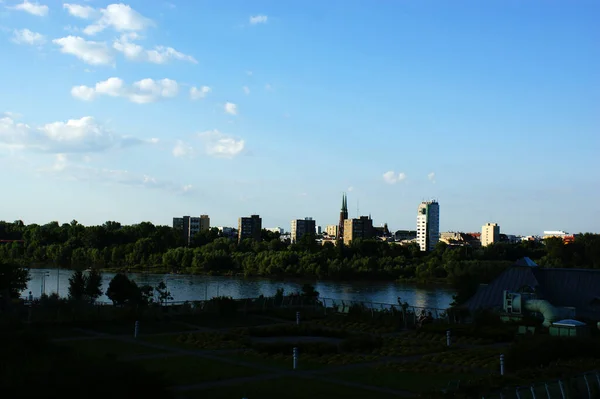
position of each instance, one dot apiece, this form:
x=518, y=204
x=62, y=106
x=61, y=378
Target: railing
x=583, y=386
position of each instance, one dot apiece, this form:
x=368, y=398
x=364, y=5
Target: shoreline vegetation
x=147, y=248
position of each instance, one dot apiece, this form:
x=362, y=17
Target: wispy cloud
x=431, y=177
x=62, y=168
x=141, y=92
x=32, y=8
x=390, y=177
x=25, y=36
x=231, y=108
x=198, y=93
x=258, y=19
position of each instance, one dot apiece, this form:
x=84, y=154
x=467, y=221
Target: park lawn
x=181, y=370
x=108, y=347
x=285, y=363
x=170, y=341
x=236, y=321
x=286, y=387
x=63, y=332
x=145, y=327
x=408, y=381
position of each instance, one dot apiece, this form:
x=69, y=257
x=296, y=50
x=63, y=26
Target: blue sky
x=147, y=110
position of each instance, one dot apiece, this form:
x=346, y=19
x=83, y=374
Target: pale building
x=300, y=227
x=332, y=230
x=358, y=228
x=490, y=234
x=190, y=226
x=428, y=225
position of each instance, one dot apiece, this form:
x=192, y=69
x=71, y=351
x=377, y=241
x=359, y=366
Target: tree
x=93, y=285
x=163, y=294
x=77, y=284
x=13, y=280
x=121, y=290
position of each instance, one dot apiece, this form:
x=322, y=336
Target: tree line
x=147, y=247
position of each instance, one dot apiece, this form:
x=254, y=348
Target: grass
x=181, y=370
x=280, y=362
x=288, y=388
x=409, y=381
x=215, y=321
x=102, y=347
x=146, y=327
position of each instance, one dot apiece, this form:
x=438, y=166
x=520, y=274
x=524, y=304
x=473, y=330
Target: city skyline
x=145, y=110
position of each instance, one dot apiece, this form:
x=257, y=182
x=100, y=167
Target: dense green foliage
x=161, y=249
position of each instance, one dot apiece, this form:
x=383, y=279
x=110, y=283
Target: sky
x=147, y=110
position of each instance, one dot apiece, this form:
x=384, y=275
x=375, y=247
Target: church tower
x=343, y=216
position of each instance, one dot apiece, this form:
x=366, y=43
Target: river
x=194, y=287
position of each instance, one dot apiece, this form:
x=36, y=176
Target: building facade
x=190, y=226
x=428, y=225
x=249, y=227
x=358, y=228
x=332, y=230
x=300, y=227
x=490, y=234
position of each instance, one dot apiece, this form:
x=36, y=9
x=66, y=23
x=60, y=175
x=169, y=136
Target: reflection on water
x=190, y=288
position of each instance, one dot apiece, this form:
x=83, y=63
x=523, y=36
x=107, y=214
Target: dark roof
x=578, y=288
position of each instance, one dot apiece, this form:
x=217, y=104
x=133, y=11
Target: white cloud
x=431, y=177
x=258, y=19
x=182, y=149
x=75, y=135
x=141, y=92
x=79, y=11
x=32, y=8
x=350, y=189
x=198, y=93
x=159, y=55
x=220, y=145
x=120, y=17
x=62, y=168
x=25, y=36
x=231, y=108
x=246, y=90
x=93, y=53
x=390, y=177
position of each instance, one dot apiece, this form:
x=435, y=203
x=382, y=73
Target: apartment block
x=190, y=226
x=490, y=234
x=300, y=227
x=428, y=225
x=249, y=227
x=358, y=228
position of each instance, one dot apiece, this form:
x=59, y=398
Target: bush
x=286, y=348
x=223, y=305
x=361, y=343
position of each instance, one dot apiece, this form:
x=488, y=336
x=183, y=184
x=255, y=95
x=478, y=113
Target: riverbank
x=185, y=287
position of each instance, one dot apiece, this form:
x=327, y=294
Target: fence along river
x=196, y=288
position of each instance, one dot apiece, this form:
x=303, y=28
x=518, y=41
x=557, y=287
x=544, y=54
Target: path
x=270, y=372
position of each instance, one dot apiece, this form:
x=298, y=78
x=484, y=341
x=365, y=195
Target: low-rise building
x=332, y=230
